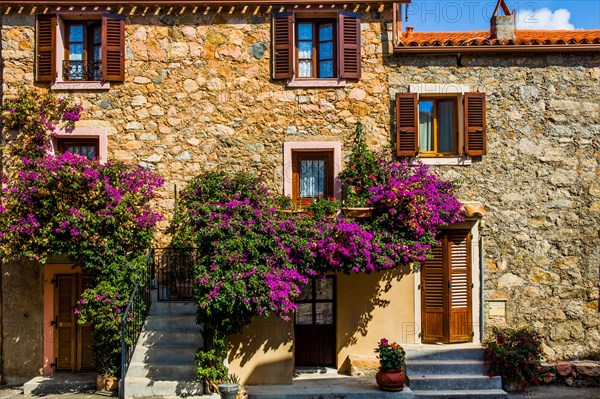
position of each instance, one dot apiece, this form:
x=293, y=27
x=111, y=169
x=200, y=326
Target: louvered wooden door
x=446, y=291
x=73, y=343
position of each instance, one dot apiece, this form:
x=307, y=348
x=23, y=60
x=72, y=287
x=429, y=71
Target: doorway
x=314, y=327
x=446, y=291
x=73, y=342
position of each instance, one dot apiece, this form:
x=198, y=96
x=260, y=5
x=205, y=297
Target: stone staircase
x=450, y=371
x=163, y=360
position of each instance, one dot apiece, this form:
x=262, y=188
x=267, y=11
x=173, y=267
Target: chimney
x=502, y=27
x=409, y=32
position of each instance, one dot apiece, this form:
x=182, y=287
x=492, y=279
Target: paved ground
x=554, y=392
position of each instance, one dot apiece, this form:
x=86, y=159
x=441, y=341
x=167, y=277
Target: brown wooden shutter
x=349, y=54
x=475, y=123
x=407, y=122
x=459, y=283
x=282, y=45
x=85, y=338
x=433, y=296
x=45, y=60
x=113, y=48
x=64, y=332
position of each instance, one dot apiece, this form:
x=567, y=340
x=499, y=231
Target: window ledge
x=464, y=160
x=316, y=83
x=95, y=85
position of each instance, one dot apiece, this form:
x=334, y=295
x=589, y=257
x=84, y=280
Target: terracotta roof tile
x=482, y=38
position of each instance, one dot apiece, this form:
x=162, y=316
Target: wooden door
x=73, y=343
x=314, y=328
x=446, y=311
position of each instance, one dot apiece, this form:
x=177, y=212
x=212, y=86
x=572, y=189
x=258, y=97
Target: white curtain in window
x=312, y=178
x=426, y=126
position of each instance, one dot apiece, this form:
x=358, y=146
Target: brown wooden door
x=73, y=343
x=446, y=313
x=314, y=328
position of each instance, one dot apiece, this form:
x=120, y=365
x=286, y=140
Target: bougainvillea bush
x=66, y=204
x=255, y=260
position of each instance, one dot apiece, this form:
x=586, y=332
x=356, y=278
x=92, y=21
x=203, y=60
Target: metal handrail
x=82, y=70
x=133, y=318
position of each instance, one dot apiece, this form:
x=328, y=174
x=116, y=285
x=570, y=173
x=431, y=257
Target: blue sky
x=462, y=15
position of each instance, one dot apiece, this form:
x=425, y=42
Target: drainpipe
x=481, y=285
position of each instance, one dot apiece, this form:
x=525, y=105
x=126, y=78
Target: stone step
x=165, y=354
x=173, y=308
x=454, y=382
x=144, y=387
x=441, y=367
x=170, y=339
x=444, y=353
x=462, y=394
x=159, y=372
x=171, y=323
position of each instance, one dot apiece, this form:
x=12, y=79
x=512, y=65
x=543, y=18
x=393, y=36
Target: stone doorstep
x=331, y=388
x=60, y=383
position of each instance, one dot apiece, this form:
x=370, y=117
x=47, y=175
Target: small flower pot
x=358, y=213
x=107, y=383
x=391, y=380
x=229, y=391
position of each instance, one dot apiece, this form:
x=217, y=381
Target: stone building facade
x=198, y=94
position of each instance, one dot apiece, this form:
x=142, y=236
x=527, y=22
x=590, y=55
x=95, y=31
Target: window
x=83, y=51
x=316, y=45
x=312, y=175
x=90, y=49
x=429, y=126
x=86, y=147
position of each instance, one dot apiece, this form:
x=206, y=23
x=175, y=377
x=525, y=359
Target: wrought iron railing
x=82, y=70
x=174, y=273
x=133, y=319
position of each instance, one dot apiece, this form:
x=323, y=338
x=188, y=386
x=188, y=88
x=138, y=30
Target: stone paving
x=543, y=392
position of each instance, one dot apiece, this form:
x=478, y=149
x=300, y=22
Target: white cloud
x=543, y=18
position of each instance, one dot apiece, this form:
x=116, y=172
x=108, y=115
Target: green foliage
x=515, y=354
x=322, y=207
x=210, y=363
x=391, y=355
x=361, y=172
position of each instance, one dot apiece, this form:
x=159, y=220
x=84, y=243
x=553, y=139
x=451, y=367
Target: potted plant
x=392, y=366
x=322, y=207
x=360, y=174
x=286, y=206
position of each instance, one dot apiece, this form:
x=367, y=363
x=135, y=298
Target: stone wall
x=540, y=183
x=198, y=95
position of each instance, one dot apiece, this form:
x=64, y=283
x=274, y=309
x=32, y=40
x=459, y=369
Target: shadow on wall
x=262, y=352
x=360, y=295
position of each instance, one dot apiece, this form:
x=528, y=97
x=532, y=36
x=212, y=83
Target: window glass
x=426, y=126
x=305, y=50
x=85, y=147
x=76, y=33
x=312, y=178
x=324, y=288
x=304, y=314
x=305, y=31
x=326, y=32
x=326, y=50
x=446, y=126
x=326, y=69
x=324, y=313
x=306, y=293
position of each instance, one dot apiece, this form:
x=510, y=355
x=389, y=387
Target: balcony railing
x=82, y=70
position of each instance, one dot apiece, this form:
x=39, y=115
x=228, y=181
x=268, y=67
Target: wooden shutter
x=407, y=120
x=85, y=339
x=349, y=45
x=459, y=283
x=433, y=296
x=45, y=60
x=113, y=48
x=282, y=45
x=64, y=332
x=475, y=123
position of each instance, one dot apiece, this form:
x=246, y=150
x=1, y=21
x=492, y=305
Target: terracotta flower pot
x=357, y=213
x=391, y=380
x=107, y=383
